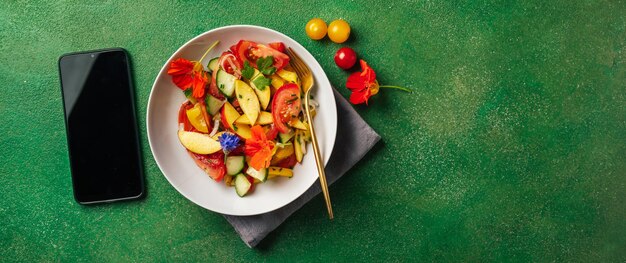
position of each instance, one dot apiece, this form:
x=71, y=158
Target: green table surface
x=512, y=146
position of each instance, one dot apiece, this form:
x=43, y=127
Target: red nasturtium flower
x=188, y=74
x=259, y=148
x=364, y=84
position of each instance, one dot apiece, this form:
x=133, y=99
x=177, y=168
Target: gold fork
x=306, y=78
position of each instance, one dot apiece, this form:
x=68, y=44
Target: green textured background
x=511, y=148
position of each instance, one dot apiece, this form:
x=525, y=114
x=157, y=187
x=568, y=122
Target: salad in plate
x=243, y=121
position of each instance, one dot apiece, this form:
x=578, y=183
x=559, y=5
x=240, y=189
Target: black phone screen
x=101, y=126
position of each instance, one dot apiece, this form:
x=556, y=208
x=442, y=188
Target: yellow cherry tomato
x=316, y=29
x=339, y=31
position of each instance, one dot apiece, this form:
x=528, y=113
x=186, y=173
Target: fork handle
x=318, y=157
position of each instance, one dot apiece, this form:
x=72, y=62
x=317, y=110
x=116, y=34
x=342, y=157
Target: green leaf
x=266, y=62
x=269, y=71
x=261, y=82
x=265, y=65
x=188, y=92
x=247, y=71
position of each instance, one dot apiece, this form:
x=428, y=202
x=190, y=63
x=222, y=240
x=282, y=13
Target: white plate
x=181, y=171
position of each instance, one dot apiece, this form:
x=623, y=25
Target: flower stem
x=208, y=50
x=397, y=87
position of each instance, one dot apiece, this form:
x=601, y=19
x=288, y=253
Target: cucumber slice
x=260, y=174
x=212, y=66
x=225, y=83
x=242, y=185
x=213, y=104
x=285, y=137
x=234, y=164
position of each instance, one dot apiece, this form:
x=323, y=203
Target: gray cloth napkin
x=354, y=139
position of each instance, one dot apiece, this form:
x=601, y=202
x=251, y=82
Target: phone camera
x=92, y=55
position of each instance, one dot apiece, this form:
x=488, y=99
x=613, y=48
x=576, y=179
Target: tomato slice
x=288, y=162
x=237, y=106
x=230, y=63
x=241, y=49
x=285, y=106
x=280, y=59
x=272, y=133
x=251, y=180
x=212, y=164
x=213, y=90
x=251, y=51
x=280, y=46
x=182, y=116
x=240, y=150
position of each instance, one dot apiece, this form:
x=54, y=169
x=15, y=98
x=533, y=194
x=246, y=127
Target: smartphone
x=101, y=125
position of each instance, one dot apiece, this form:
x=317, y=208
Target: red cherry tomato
x=345, y=58
x=285, y=106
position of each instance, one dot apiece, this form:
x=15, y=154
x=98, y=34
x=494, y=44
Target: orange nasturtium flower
x=259, y=148
x=190, y=74
x=364, y=84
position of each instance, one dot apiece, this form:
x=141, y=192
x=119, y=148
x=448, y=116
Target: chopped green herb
x=269, y=71
x=241, y=97
x=261, y=82
x=265, y=65
x=247, y=71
